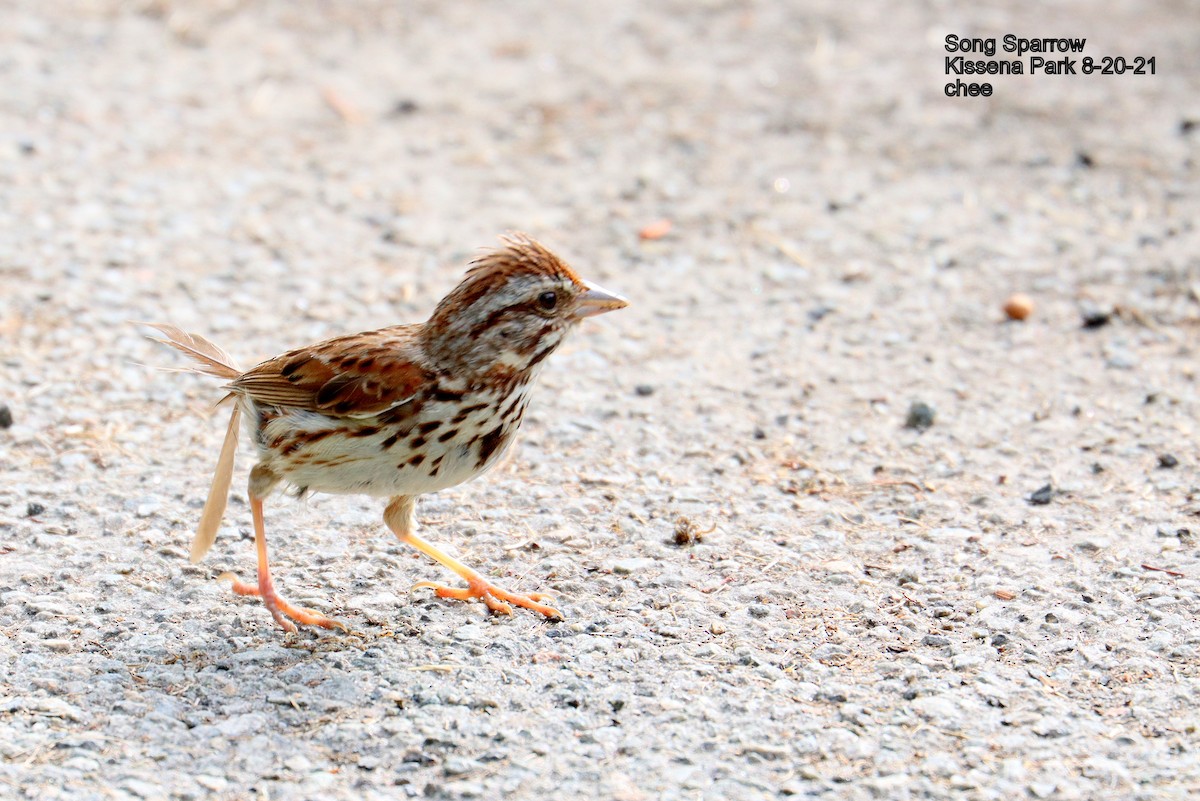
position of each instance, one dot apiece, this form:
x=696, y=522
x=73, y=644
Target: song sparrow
x=401, y=411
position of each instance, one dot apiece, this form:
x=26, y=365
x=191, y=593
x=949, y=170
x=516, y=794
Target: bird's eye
x=548, y=300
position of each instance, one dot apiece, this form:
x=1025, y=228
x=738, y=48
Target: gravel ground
x=881, y=611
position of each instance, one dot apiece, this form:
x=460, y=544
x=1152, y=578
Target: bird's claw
x=495, y=597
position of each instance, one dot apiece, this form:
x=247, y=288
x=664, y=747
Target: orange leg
x=400, y=517
x=283, y=612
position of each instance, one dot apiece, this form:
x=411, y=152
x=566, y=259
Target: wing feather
x=353, y=376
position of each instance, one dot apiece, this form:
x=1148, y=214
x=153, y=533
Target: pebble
x=634, y=564
x=6, y=418
x=1018, y=306
x=920, y=416
x=1042, y=495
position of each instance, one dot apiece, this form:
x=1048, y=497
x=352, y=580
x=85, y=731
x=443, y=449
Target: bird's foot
x=495, y=597
x=283, y=612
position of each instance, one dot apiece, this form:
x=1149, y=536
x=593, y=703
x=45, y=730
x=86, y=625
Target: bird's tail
x=213, y=361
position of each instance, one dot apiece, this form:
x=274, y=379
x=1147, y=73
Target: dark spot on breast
x=447, y=435
x=416, y=459
x=433, y=471
x=440, y=394
x=365, y=431
x=438, y=462
x=430, y=427
x=417, y=442
x=390, y=441
x=468, y=411
x=509, y=409
x=488, y=445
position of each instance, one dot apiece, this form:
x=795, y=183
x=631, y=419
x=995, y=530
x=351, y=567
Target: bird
x=397, y=412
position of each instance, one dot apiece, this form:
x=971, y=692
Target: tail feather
x=213, y=360
x=218, y=493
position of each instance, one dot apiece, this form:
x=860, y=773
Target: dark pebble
x=759, y=433
x=935, y=640
x=759, y=611
x=999, y=639
x=1042, y=496
x=645, y=390
x=920, y=416
x=34, y=509
x=819, y=313
x=1167, y=461
x=405, y=107
x=1095, y=318
x=1187, y=126
x=1085, y=160
x=6, y=420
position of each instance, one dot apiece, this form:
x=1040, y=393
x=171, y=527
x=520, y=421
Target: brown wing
x=351, y=376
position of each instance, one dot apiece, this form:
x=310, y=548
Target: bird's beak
x=597, y=300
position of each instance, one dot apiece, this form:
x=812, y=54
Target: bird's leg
x=261, y=482
x=401, y=518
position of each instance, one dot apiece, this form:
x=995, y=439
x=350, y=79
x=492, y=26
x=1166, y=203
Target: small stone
x=143, y=789
x=965, y=661
x=82, y=764
x=634, y=564
x=999, y=640
x=459, y=766
x=1167, y=461
x=644, y=390
x=920, y=416
x=831, y=652
x=6, y=419
x=1042, y=789
x=1042, y=496
x=298, y=764
x=1095, y=317
x=242, y=725
x=1005, y=595
x=472, y=632
x=214, y=783
x=936, y=640
x=1121, y=359
x=758, y=610
x=34, y=509
x=1018, y=307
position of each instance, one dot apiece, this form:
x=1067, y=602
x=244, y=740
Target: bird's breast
x=446, y=438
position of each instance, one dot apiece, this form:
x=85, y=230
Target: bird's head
x=513, y=308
